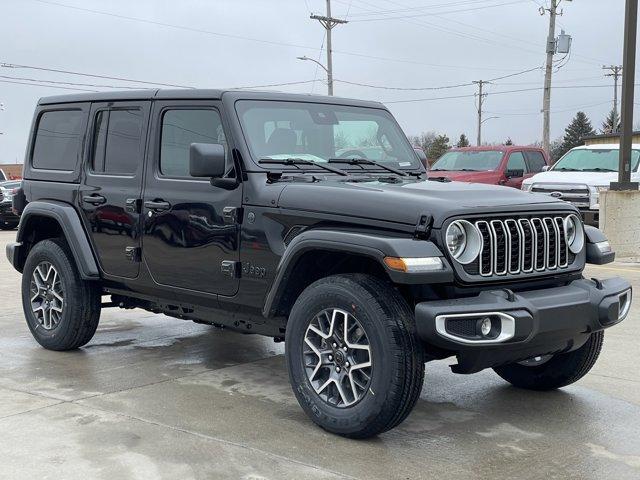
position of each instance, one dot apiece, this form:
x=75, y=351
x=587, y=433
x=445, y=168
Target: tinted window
x=516, y=162
x=536, y=161
x=117, y=141
x=318, y=133
x=181, y=128
x=58, y=140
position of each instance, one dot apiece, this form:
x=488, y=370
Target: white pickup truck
x=581, y=174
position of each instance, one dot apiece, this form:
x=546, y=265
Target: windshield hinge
x=423, y=228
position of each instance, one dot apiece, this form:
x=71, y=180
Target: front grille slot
x=515, y=246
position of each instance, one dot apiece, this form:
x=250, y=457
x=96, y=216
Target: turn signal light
x=414, y=265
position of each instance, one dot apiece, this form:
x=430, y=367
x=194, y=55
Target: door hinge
x=423, y=228
x=133, y=205
x=232, y=215
x=133, y=254
x=230, y=268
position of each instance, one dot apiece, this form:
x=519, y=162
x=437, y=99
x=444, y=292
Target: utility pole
x=628, y=85
x=616, y=73
x=328, y=23
x=551, y=50
x=481, y=97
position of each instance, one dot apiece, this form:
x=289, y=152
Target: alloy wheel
x=47, y=295
x=337, y=357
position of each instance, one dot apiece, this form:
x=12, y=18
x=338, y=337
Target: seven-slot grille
x=515, y=246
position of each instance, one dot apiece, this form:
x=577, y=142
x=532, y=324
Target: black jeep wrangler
x=310, y=220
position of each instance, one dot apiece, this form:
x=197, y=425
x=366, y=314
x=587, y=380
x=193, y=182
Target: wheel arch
x=315, y=254
x=52, y=219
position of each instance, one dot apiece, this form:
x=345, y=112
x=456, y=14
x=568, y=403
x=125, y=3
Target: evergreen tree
x=463, y=142
x=579, y=127
x=612, y=123
x=439, y=146
x=508, y=141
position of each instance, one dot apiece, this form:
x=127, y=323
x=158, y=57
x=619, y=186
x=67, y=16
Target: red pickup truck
x=498, y=165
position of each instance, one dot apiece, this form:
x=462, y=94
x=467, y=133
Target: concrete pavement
x=155, y=397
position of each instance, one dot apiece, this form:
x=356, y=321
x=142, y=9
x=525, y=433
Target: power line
x=258, y=40
x=427, y=14
x=83, y=74
x=444, y=87
x=417, y=8
x=48, y=86
x=567, y=109
x=67, y=83
x=501, y=92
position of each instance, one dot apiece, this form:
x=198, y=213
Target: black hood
x=405, y=202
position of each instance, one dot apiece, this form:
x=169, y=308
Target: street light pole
x=628, y=79
x=328, y=23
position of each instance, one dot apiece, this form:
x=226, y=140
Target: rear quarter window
x=58, y=140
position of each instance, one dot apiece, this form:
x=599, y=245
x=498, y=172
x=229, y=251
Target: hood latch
x=423, y=228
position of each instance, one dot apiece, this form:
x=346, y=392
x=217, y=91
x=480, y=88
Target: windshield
x=317, y=133
x=596, y=160
x=469, y=160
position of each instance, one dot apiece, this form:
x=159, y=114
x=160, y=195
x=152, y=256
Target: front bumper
x=6, y=213
x=535, y=322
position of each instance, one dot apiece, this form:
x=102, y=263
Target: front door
x=186, y=237
x=515, y=163
x=110, y=196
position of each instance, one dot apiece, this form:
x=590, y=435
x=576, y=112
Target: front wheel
x=354, y=361
x=549, y=372
x=8, y=225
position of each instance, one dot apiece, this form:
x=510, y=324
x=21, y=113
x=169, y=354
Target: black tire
x=561, y=370
x=397, y=372
x=8, y=225
x=81, y=310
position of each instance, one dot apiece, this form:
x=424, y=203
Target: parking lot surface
x=155, y=397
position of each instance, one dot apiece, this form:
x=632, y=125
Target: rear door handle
x=157, y=205
x=94, y=199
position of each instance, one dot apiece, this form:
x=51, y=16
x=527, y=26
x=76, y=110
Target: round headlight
x=456, y=239
x=574, y=233
x=463, y=241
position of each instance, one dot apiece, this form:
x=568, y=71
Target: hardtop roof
x=201, y=94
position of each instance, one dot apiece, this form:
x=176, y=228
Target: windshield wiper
x=599, y=169
x=366, y=161
x=565, y=169
x=466, y=170
x=300, y=161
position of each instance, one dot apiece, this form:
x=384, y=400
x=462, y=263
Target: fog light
x=485, y=326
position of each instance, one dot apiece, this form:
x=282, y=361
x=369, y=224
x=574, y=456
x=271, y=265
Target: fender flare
x=74, y=233
x=374, y=246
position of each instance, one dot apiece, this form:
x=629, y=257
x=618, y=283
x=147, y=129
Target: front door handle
x=157, y=205
x=94, y=199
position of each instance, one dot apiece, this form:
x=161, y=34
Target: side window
x=118, y=139
x=181, y=128
x=58, y=140
x=516, y=162
x=536, y=161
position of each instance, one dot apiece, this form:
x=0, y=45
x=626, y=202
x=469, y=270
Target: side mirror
x=422, y=157
x=515, y=173
x=545, y=168
x=207, y=160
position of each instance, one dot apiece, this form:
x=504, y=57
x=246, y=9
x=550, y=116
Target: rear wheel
x=354, y=361
x=549, y=372
x=61, y=309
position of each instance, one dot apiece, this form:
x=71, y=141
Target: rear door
x=191, y=236
x=110, y=196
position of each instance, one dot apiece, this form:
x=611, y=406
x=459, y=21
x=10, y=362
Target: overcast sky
x=391, y=43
